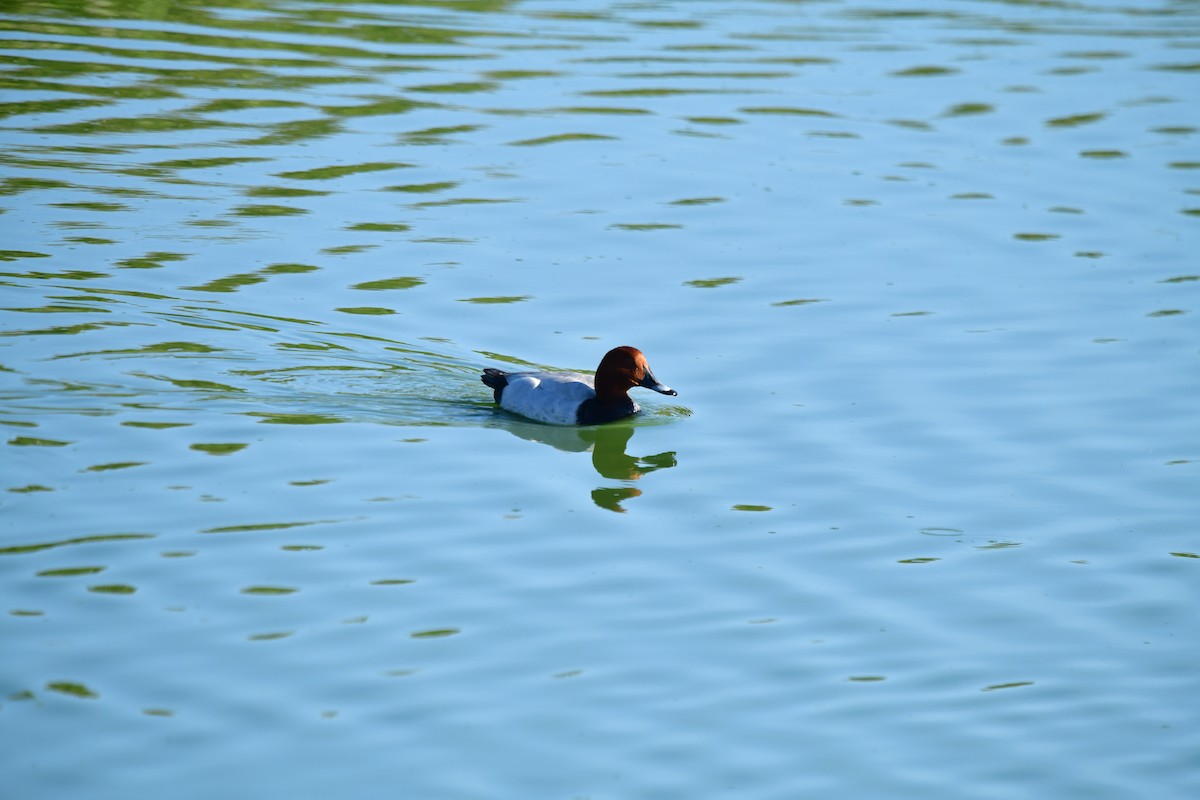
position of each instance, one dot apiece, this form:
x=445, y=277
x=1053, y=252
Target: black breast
x=593, y=412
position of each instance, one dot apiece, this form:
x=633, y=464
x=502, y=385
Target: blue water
x=920, y=523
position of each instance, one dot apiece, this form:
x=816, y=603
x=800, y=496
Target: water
x=921, y=522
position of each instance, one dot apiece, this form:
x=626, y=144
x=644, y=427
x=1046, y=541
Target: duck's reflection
x=608, y=444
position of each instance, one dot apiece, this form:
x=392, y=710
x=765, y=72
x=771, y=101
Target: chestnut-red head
x=621, y=369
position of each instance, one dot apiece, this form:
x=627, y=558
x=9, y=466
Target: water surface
x=921, y=522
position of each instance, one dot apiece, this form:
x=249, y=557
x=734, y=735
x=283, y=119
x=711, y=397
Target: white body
x=550, y=397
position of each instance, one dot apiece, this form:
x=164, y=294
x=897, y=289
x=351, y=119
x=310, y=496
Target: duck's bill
x=651, y=382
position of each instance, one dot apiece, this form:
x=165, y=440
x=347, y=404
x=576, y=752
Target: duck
x=571, y=398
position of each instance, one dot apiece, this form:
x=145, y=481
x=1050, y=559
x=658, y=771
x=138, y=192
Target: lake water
x=921, y=523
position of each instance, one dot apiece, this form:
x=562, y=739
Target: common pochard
x=570, y=398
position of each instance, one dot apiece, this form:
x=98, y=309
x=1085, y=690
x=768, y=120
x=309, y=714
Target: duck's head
x=623, y=368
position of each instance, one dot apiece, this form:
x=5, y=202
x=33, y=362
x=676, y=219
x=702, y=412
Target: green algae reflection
x=223, y=449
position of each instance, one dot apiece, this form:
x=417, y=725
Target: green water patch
x=148, y=124
x=496, y=300
x=519, y=74
x=232, y=283
x=1012, y=685
x=152, y=260
x=968, y=109
x=91, y=205
x=114, y=465
x=207, y=163
x=348, y=249
x=267, y=210
x=652, y=91
x=263, y=527
x=697, y=201
x=924, y=72
x=155, y=426
x=77, y=540
x=296, y=131
x=75, y=689
x=33, y=441
x=17, y=184
x=422, y=188
x=70, y=572
x=435, y=633
x=559, y=138
x=294, y=419
x=1187, y=68
x=799, y=301
x=384, y=106
x=788, y=111
x=437, y=135
x=341, y=170
x=218, y=449
x=611, y=110
x=47, y=106
x=380, y=227
x=112, y=588
x=714, y=120
x=282, y=191
x=712, y=283
x=171, y=348
x=1075, y=120
x=17, y=255
x=456, y=87
x=732, y=75
x=404, y=282
x=645, y=226
x=467, y=201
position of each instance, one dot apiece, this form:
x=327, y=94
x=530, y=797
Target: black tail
x=496, y=379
